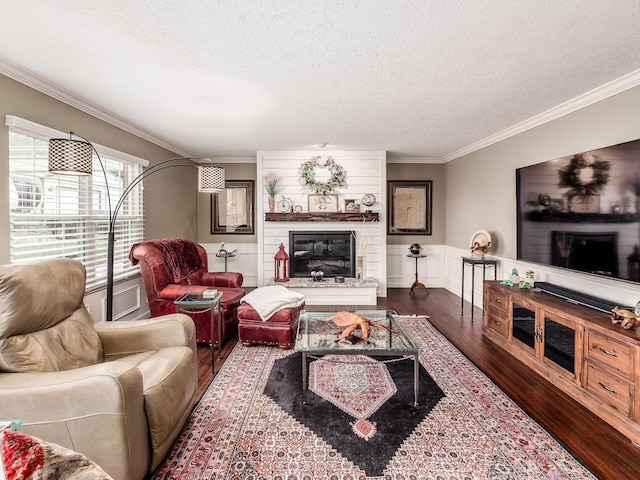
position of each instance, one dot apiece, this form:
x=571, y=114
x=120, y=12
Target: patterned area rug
x=472, y=430
x=357, y=385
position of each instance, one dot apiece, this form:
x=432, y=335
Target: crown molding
x=38, y=83
x=605, y=91
x=421, y=160
x=243, y=159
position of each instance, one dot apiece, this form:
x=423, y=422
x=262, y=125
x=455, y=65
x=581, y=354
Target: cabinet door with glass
x=524, y=329
x=560, y=343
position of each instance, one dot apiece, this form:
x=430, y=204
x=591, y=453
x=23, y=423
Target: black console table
x=482, y=262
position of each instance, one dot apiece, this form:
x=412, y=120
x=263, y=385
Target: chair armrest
x=223, y=279
x=124, y=338
x=97, y=411
x=46, y=396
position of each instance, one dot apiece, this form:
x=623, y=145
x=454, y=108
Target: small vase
x=361, y=266
x=272, y=204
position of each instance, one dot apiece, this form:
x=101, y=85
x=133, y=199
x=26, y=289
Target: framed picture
x=351, y=205
x=584, y=203
x=323, y=203
x=232, y=210
x=409, y=210
x=556, y=205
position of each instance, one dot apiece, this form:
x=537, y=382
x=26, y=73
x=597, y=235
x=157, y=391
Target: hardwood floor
x=608, y=454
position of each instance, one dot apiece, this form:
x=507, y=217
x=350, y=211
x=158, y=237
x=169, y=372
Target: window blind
x=67, y=216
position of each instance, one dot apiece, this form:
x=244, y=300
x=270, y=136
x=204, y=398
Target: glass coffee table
x=318, y=336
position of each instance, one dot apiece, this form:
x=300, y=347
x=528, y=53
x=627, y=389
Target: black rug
x=395, y=419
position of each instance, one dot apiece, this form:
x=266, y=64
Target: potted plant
x=272, y=185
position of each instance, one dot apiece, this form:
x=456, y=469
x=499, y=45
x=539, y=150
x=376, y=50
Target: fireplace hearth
x=332, y=253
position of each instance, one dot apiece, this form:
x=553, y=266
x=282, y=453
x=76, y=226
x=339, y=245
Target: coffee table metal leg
x=416, y=379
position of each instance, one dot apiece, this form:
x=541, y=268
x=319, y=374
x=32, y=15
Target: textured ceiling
x=417, y=78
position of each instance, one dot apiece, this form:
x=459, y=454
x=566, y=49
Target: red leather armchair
x=172, y=267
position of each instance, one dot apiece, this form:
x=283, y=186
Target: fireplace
x=333, y=253
x=586, y=251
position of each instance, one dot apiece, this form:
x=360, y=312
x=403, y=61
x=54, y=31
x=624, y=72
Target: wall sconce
x=281, y=267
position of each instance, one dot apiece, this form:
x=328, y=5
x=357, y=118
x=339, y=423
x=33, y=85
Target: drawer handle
x=607, y=352
x=607, y=388
x=497, y=300
x=497, y=322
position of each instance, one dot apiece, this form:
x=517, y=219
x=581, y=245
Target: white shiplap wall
x=366, y=173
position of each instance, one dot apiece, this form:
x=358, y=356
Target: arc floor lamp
x=69, y=156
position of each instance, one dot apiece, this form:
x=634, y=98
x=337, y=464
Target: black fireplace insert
x=333, y=253
x=593, y=252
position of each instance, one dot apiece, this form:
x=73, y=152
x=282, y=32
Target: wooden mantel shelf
x=322, y=217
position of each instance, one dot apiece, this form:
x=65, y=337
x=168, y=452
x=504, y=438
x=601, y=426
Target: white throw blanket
x=268, y=300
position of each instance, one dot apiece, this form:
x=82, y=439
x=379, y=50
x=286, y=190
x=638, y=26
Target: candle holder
x=281, y=273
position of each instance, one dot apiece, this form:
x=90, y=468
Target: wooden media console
x=574, y=347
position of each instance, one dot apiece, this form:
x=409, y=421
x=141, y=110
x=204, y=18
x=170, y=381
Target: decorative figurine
x=527, y=283
x=515, y=278
x=625, y=318
x=353, y=322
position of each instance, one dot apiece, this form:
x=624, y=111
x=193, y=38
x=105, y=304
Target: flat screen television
x=582, y=212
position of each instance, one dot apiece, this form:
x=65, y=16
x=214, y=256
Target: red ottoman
x=279, y=330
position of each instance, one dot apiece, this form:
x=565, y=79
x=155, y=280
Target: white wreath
x=308, y=174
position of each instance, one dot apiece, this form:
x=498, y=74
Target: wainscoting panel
x=128, y=299
x=625, y=293
x=401, y=270
x=245, y=261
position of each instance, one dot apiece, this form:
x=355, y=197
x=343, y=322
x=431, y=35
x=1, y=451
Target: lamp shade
x=210, y=178
x=70, y=157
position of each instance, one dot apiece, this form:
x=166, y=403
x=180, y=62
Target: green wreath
x=308, y=174
x=570, y=175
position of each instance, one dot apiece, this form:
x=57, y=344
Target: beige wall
x=416, y=171
x=170, y=196
x=232, y=171
x=474, y=192
x=480, y=187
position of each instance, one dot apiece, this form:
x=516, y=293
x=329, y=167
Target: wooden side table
x=481, y=262
x=416, y=283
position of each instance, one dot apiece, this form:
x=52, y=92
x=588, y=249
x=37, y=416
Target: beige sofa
x=117, y=392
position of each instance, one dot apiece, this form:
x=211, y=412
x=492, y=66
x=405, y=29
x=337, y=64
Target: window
x=68, y=216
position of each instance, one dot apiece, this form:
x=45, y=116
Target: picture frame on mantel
x=232, y=210
x=409, y=207
x=323, y=203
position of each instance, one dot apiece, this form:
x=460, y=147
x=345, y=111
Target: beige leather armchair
x=117, y=392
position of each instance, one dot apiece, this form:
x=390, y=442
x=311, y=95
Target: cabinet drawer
x=497, y=300
x=608, y=387
x=496, y=321
x=609, y=352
